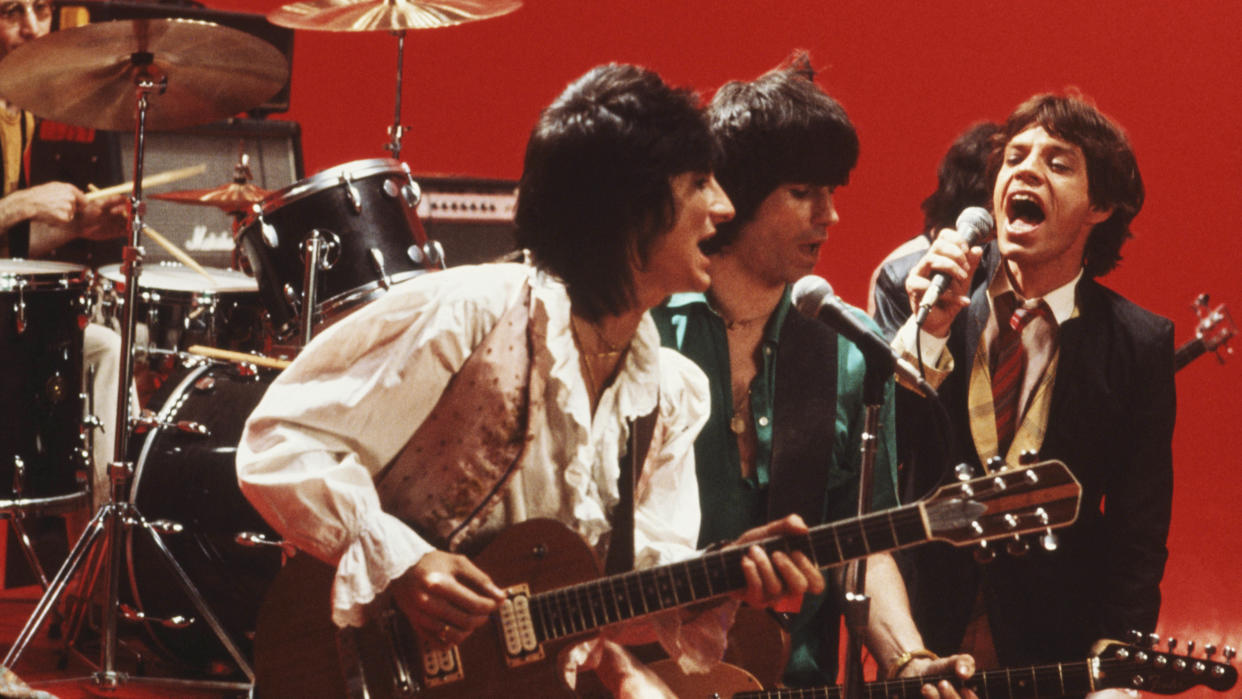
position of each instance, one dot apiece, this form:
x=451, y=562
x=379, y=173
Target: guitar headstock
x=1215, y=325
x=1005, y=504
x=1143, y=667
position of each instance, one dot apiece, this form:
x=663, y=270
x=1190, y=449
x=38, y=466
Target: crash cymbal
x=386, y=15
x=231, y=198
x=85, y=76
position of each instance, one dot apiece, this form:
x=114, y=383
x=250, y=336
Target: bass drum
x=185, y=476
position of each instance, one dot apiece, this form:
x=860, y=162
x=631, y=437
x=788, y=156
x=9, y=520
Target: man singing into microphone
x=1044, y=359
x=786, y=390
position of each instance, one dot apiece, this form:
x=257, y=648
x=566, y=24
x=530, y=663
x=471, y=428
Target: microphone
x=813, y=297
x=974, y=225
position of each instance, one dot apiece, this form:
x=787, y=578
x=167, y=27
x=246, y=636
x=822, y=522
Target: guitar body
x=296, y=643
x=723, y=680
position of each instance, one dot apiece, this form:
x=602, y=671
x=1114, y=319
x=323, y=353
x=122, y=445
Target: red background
x=911, y=74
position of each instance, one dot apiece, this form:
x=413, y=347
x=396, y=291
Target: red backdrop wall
x=911, y=75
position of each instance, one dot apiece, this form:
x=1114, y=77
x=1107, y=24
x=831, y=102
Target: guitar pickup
x=517, y=629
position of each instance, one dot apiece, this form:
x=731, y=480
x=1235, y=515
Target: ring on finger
x=443, y=635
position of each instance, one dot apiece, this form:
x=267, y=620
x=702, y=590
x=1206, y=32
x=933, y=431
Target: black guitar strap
x=621, y=545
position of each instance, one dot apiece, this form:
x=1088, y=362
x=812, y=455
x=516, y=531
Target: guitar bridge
x=517, y=629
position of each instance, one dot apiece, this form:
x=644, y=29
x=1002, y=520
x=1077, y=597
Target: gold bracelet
x=900, y=662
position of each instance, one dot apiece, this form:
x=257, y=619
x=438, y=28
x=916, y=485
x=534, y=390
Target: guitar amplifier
x=205, y=232
x=472, y=217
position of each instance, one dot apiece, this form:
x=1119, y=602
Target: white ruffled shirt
x=354, y=396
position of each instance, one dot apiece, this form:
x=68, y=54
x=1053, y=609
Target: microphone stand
x=857, y=604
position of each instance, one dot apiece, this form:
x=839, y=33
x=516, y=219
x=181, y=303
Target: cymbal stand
x=119, y=516
x=396, y=131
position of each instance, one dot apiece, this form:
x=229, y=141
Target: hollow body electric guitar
x=1112, y=665
x=556, y=594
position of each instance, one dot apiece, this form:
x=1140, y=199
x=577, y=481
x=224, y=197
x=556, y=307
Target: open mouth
x=1025, y=208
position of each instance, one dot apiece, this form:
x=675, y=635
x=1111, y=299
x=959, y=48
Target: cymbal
x=85, y=75
x=232, y=198
x=386, y=15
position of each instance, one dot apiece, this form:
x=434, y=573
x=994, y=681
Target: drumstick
x=241, y=357
x=152, y=181
x=182, y=256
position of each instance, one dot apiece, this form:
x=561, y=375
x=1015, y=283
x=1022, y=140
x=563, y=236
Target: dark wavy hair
x=1113, y=177
x=961, y=178
x=595, y=190
x=780, y=127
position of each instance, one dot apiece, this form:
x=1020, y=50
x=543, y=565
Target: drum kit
x=197, y=557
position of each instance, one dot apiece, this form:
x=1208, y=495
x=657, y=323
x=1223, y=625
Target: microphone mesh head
x=975, y=224
x=809, y=293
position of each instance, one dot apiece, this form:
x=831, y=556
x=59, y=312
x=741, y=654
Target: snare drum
x=180, y=307
x=185, y=474
x=364, y=212
x=44, y=308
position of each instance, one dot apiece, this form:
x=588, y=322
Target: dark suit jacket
x=1111, y=421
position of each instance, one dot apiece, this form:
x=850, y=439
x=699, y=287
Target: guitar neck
x=1062, y=679
x=1187, y=353
x=571, y=610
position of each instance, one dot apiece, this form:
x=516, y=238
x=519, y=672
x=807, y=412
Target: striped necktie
x=1009, y=364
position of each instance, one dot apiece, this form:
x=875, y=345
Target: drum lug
x=92, y=422
x=377, y=261
x=20, y=307
x=411, y=192
x=267, y=230
x=175, y=621
x=329, y=245
x=435, y=253
x=19, y=475
x=351, y=192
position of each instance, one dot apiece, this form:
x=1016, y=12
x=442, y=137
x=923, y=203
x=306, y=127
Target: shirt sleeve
x=337, y=416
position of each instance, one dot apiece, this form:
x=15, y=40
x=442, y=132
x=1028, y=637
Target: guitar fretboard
x=1021, y=683
x=571, y=610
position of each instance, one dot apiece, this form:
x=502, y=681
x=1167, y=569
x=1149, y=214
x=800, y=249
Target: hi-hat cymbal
x=386, y=15
x=85, y=75
x=232, y=198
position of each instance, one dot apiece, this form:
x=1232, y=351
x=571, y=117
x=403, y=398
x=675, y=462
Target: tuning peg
x=984, y=554
x=1190, y=647
x=1017, y=546
x=1153, y=640
x=995, y=464
x=1049, y=541
x=1028, y=457
x=1172, y=644
x=1230, y=653
x=964, y=471
x=1209, y=650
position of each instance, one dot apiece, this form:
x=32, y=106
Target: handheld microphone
x=813, y=297
x=974, y=225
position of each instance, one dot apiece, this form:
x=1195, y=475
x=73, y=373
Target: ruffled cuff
x=381, y=552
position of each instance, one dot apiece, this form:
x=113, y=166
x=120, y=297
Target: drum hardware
x=312, y=246
x=172, y=622
x=201, y=72
x=148, y=421
x=395, y=16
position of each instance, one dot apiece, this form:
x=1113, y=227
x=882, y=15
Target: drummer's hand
x=778, y=581
x=446, y=597
x=104, y=219
x=55, y=203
